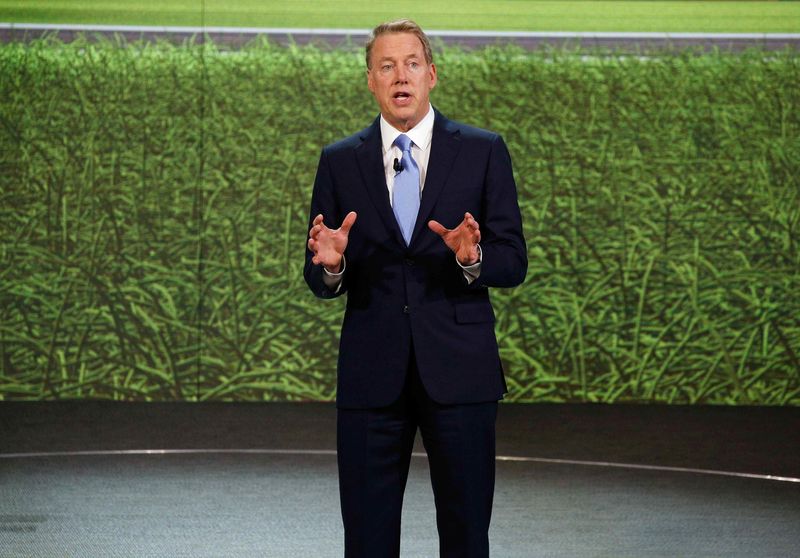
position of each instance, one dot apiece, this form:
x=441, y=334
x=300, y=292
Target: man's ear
x=370, y=83
x=434, y=76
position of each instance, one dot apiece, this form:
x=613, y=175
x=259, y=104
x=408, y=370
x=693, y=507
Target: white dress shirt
x=420, y=135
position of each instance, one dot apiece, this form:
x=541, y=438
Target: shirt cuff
x=334, y=280
x=472, y=271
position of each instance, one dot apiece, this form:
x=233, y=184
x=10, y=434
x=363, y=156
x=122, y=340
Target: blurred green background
x=155, y=198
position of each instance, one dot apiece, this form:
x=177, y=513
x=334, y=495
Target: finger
x=474, y=229
x=347, y=224
x=317, y=219
x=437, y=227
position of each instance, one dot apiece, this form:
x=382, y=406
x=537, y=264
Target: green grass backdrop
x=154, y=213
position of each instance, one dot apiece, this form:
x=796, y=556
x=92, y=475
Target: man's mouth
x=402, y=95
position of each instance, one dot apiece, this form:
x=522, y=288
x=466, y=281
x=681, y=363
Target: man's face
x=400, y=79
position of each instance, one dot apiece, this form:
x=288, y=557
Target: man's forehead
x=398, y=45
x=397, y=54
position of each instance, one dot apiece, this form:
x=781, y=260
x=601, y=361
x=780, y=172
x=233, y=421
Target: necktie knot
x=403, y=142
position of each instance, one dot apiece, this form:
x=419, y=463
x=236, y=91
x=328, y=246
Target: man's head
x=400, y=72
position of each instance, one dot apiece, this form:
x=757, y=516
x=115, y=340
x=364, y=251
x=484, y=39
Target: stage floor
x=224, y=479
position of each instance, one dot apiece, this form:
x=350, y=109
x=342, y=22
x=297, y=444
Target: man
x=417, y=346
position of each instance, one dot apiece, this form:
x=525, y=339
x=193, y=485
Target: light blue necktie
x=405, y=194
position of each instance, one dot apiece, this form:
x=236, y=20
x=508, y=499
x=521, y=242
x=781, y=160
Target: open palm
x=463, y=240
x=328, y=245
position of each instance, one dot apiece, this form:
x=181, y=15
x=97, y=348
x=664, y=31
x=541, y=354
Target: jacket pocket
x=474, y=313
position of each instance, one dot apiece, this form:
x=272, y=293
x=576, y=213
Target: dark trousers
x=374, y=450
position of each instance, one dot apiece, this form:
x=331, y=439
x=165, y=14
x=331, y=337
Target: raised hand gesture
x=463, y=240
x=328, y=245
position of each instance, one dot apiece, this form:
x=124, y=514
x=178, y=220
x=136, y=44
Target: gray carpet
x=287, y=506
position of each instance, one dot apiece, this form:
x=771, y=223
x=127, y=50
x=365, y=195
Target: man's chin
x=404, y=120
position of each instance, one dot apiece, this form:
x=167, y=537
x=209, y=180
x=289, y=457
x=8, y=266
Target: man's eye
x=386, y=67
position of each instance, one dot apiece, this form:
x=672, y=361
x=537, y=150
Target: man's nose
x=401, y=75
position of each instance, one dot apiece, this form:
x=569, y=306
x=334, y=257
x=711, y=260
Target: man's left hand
x=463, y=240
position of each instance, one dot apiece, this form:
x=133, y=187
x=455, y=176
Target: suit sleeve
x=504, y=255
x=323, y=201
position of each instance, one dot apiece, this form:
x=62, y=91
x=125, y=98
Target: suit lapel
x=370, y=161
x=445, y=144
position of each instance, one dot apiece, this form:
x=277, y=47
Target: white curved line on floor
x=502, y=458
x=650, y=468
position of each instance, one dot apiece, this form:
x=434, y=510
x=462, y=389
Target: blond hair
x=399, y=26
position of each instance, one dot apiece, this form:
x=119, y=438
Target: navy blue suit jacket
x=397, y=294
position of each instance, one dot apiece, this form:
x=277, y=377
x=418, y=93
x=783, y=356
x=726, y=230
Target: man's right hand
x=328, y=245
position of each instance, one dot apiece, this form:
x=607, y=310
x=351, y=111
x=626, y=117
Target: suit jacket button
x=406, y=310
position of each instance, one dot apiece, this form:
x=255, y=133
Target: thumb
x=437, y=227
x=347, y=224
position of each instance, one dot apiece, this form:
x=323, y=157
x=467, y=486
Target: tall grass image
x=155, y=198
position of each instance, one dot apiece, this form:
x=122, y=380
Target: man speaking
x=414, y=218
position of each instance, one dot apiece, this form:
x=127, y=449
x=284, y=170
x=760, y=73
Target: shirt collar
x=420, y=134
